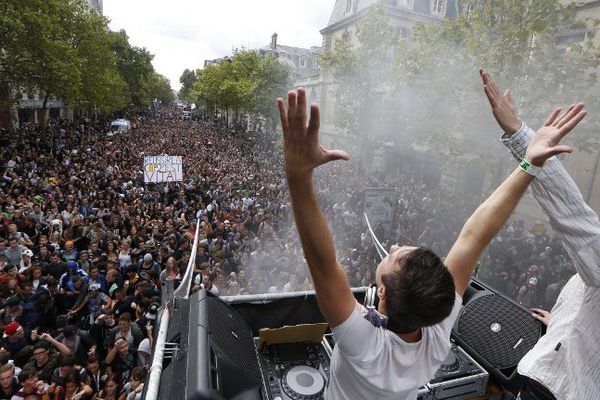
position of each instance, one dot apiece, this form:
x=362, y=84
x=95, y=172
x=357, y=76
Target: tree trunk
x=42, y=119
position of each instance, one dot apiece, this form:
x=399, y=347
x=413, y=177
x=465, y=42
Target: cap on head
x=72, y=265
x=11, y=328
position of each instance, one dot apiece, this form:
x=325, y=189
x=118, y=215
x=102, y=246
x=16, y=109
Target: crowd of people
x=86, y=246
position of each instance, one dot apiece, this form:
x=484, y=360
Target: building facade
x=302, y=62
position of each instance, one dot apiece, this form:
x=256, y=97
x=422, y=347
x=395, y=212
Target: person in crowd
x=31, y=385
x=9, y=385
x=14, y=338
x=127, y=330
x=66, y=366
x=44, y=361
x=112, y=390
x=134, y=388
x=561, y=365
x=419, y=296
x=121, y=359
x=93, y=374
x=73, y=388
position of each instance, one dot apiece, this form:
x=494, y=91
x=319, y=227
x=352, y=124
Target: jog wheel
x=303, y=382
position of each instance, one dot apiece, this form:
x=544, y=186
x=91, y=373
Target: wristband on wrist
x=527, y=167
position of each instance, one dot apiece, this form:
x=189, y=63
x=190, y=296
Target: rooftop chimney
x=274, y=41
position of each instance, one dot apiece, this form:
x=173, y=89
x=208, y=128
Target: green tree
x=59, y=48
x=247, y=83
x=135, y=66
x=161, y=89
x=187, y=79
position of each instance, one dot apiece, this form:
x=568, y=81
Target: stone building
x=302, y=62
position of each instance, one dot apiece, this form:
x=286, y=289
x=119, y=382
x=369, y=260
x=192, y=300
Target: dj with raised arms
x=388, y=354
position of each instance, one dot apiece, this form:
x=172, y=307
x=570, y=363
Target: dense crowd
x=86, y=246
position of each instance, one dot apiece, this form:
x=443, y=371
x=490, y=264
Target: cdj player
x=294, y=371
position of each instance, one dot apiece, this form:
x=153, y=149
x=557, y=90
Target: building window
x=405, y=3
x=438, y=7
x=348, y=6
x=302, y=62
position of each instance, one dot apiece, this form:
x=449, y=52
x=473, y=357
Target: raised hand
x=302, y=150
x=545, y=142
x=502, y=105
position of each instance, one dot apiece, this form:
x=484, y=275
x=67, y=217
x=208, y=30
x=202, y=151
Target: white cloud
x=183, y=33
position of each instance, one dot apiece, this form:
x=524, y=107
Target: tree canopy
x=63, y=48
x=187, y=79
x=247, y=82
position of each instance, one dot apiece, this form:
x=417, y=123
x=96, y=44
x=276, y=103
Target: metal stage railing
x=380, y=250
x=163, y=326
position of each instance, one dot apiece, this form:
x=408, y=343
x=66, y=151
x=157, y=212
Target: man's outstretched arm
x=487, y=220
x=303, y=154
x=555, y=191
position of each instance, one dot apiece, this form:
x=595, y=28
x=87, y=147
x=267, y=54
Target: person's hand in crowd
x=545, y=142
x=40, y=387
x=47, y=337
x=502, y=104
x=78, y=396
x=34, y=334
x=92, y=351
x=50, y=389
x=302, y=151
x=541, y=315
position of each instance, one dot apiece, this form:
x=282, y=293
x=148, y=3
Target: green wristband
x=527, y=167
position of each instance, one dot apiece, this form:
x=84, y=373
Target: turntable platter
x=303, y=380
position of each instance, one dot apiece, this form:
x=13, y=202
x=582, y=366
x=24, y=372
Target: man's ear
x=381, y=292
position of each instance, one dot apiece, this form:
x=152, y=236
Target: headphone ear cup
x=371, y=296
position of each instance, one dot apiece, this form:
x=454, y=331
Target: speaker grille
x=501, y=332
x=228, y=331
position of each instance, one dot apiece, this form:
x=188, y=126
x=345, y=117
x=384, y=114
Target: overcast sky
x=183, y=33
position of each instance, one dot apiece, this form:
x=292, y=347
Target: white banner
x=379, y=207
x=163, y=168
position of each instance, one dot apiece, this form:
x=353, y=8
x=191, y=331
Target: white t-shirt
x=371, y=362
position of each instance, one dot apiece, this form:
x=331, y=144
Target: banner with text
x=379, y=205
x=163, y=168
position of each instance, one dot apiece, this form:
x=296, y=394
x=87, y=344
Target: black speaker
x=216, y=357
x=496, y=331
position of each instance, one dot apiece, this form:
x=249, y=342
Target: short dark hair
x=73, y=377
x=125, y=317
x=27, y=373
x=420, y=293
